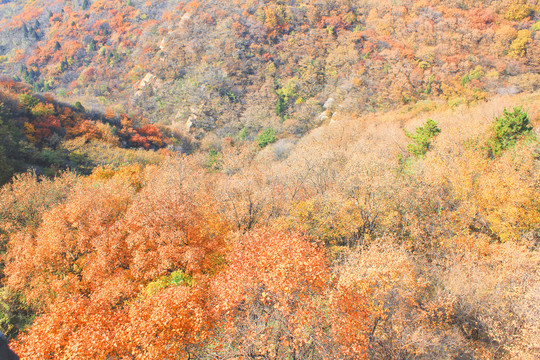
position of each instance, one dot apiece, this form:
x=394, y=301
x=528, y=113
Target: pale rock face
x=162, y=45
x=178, y=115
x=184, y=19
x=189, y=124
x=329, y=103
x=147, y=80
x=322, y=118
x=158, y=84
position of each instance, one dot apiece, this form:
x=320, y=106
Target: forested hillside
x=41, y=134
x=237, y=67
x=303, y=179
x=361, y=240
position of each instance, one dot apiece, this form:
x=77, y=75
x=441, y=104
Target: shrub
x=268, y=136
x=421, y=138
x=477, y=72
x=518, y=11
x=213, y=160
x=517, y=48
x=508, y=129
x=79, y=107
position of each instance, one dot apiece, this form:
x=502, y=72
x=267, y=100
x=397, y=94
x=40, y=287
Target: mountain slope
x=211, y=66
x=41, y=134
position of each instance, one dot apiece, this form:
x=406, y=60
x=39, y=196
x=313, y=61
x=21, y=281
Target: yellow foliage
x=131, y=174
x=504, y=37
x=331, y=221
x=42, y=109
x=518, y=10
x=517, y=48
x=507, y=194
x=30, y=132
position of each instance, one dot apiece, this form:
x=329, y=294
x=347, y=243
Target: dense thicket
x=39, y=133
x=403, y=224
x=331, y=249
x=237, y=68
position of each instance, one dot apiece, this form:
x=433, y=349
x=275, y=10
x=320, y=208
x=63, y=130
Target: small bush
x=421, y=138
x=176, y=278
x=518, y=11
x=267, y=137
x=508, y=129
x=517, y=48
x=79, y=107
x=213, y=160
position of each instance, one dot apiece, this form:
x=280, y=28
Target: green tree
x=422, y=137
x=508, y=129
x=268, y=136
x=79, y=107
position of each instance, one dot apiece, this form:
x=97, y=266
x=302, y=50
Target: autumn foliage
x=357, y=256
x=40, y=132
x=327, y=180
x=148, y=57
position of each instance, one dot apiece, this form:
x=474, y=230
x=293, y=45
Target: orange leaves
x=30, y=132
x=165, y=231
x=283, y=264
x=335, y=22
x=166, y=325
x=169, y=324
x=150, y=131
x=30, y=14
x=85, y=128
x=87, y=332
x=268, y=293
x=92, y=256
x=63, y=255
x=192, y=6
x=350, y=321
x=106, y=238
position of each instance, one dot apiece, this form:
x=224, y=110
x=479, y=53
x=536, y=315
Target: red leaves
x=139, y=141
x=166, y=324
x=481, y=18
x=46, y=126
x=336, y=22
x=148, y=136
x=43, y=118
x=269, y=292
x=86, y=333
x=94, y=257
x=350, y=321
x=85, y=128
